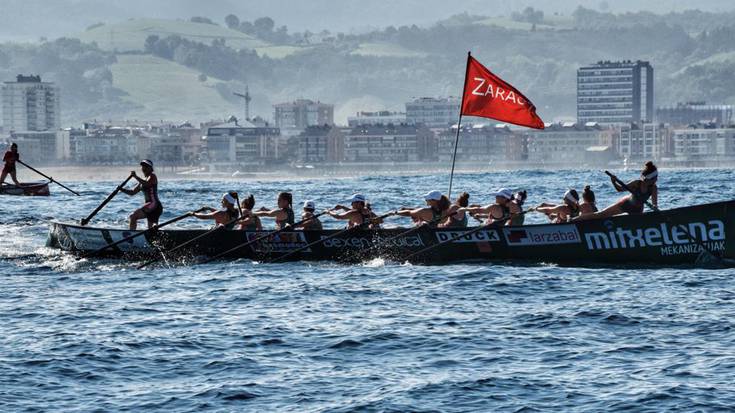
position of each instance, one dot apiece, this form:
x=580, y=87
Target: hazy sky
x=31, y=19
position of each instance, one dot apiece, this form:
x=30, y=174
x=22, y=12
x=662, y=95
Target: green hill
x=130, y=35
x=168, y=90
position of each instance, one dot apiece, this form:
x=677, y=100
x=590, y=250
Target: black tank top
x=289, y=219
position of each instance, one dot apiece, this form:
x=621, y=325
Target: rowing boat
x=28, y=189
x=657, y=238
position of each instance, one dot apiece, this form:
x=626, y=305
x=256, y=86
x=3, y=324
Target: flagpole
x=459, y=126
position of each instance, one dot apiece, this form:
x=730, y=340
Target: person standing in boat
x=10, y=158
x=225, y=217
x=566, y=211
x=456, y=219
x=356, y=215
x=313, y=224
x=249, y=221
x=501, y=212
x=283, y=215
x=641, y=190
x=152, y=209
x=433, y=214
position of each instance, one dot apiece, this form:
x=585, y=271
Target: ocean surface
x=99, y=335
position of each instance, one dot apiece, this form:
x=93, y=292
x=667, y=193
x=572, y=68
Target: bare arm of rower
x=552, y=210
x=273, y=213
x=344, y=215
x=477, y=210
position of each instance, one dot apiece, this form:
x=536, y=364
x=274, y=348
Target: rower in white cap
x=501, y=211
x=357, y=214
x=307, y=217
x=568, y=209
x=226, y=216
x=433, y=214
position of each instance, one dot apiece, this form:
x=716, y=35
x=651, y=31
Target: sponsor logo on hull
x=412, y=241
x=479, y=236
x=545, y=235
x=281, y=242
x=670, y=238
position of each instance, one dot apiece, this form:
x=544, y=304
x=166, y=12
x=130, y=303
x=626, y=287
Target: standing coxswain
x=152, y=209
x=10, y=158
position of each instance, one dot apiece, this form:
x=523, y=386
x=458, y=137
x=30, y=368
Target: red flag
x=489, y=96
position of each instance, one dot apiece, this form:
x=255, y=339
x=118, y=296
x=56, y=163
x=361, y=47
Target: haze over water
x=380, y=336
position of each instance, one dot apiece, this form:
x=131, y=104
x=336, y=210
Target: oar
x=48, y=177
x=85, y=221
x=185, y=243
x=262, y=237
x=141, y=233
x=336, y=234
x=682, y=227
x=464, y=234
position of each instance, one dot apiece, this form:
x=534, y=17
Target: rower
x=437, y=207
x=567, y=210
x=10, y=158
x=519, y=198
x=456, y=219
x=225, y=217
x=356, y=215
x=500, y=212
x=307, y=217
x=249, y=221
x=640, y=191
x=152, y=209
x=283, y=214
x=588, y=202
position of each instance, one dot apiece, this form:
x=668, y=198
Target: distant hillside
x=130, y=35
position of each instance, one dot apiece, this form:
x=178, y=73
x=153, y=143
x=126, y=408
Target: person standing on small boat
x=456, y=219
x=568, y=210
x=225, y=217
x=437, y=208
x=152, y=209
x=356, y=215
x=501, y=212
x=284, y=215
x=249, y=221
x=641, y=190
x=10, y=158
x=313, y=224
x=588, y=205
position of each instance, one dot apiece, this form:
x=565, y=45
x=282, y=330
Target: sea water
x=99, y=335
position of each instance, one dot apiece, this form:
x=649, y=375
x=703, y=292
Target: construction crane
x=247, y=99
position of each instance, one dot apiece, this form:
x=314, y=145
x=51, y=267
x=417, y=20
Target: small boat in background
x=27, y=189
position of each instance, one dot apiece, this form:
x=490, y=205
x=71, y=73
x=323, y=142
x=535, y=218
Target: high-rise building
x=433, y=112
x=28, y=104
x=615, y=92
x=294, y=117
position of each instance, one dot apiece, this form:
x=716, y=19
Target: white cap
x=504, y=193
x=229, y=198
x=433, y=196
x=357, y=198
x=309, y=205
x=569, y=196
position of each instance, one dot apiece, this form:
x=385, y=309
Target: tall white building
x=28, y=104
x=615, y=92
x=433, y=112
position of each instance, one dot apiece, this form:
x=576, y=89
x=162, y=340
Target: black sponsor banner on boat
x=542, y=235
x=488, y=235
x=281, y=242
